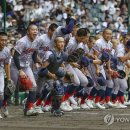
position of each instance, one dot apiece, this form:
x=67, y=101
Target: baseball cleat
x=99, y=106
x=127, y=103
x=57, y=113
x=1, y=117
x=5, y=111
x=46, y=108
x=120, y=105
x=72, y=100
x=75, y=107
x=84, y=106
x=65, y=106
x=31, y=112
x=89, y=103
x=38, y=109
x=110, y=104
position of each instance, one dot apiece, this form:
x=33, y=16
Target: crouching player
x=51, y=75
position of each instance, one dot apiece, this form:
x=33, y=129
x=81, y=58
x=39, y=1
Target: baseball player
x=65, y=31
x=123, y=55
x=45, y=40
x=4, y=67
x=120, y=47
x=111, y=78
x=26, y=50
x=102, y=45
x=45, y=44
x=80, y=80
x=52, y=72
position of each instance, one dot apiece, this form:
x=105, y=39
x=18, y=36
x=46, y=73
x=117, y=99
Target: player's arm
x=7, y=71
x=17, y=64
x=46, y=63
x=18, y=49
x=7, y=65
x=96, y=49
x=35, y=58
x=96, y=63
x=125, y=57
x=68, y=29
x=128, y=64
x=91, y=56
x=39, y=60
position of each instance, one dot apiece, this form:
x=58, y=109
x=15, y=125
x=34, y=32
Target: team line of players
x=45, y=60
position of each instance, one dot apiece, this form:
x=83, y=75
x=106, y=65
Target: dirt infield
x=76, y=120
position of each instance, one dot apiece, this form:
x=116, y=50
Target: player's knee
x=110, y=84
x=84, y=83
x=76, y=82
x=123, y=88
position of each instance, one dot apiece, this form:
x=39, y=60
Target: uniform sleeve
x=68, y=29
x=20, y=47
x=8, y=59
x=40, y=41
x=97, y=47
x=70, y=47
x=47, y=56
x=120, y=53
x=80, y=46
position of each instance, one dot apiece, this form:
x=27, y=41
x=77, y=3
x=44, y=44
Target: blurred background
x=93, y=14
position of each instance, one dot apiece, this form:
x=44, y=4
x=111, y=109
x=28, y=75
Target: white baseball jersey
x=84, y=47
x=102, y=45
x=26, y=48
x=73, y=45
x=5, y=58
x=58, y=32
x=45, y=45
x=120, y=52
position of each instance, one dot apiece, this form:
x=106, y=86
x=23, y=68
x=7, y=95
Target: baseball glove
x=80, y=51
x=26, y=83
x=105, y=57
x=76, y=55
x=84, y=61
x=9, y=87
x=72, y=58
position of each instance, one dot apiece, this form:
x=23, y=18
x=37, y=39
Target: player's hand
x=95, y=57
x=110, y=71
x=76, y=65
x=97, y=72
x=37, y=65
x=73, y=17
x=22, y=74
x=53, y=76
